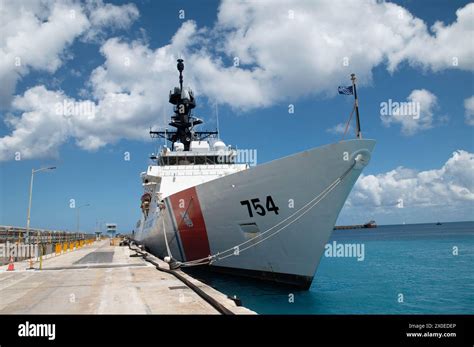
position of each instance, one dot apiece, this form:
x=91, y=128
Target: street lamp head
x=44, y=169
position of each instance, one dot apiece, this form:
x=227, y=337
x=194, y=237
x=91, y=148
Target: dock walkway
x=102, y=279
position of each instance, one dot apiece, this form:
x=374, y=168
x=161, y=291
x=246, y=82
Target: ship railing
x=195, y=170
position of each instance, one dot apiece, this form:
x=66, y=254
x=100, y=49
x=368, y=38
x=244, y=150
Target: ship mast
x=183, y=120
x=356, y=103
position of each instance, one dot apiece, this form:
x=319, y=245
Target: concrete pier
x=102, y=279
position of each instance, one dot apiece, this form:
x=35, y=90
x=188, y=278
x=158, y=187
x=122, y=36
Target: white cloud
x=305, y=55
x=106, y=16
x=277, y=62
x=40, y=131
x=36, y=35
x=414, y=114
x=469, y=110
x=281, y=58
x=449, y=47
x=451, y=185
x=339, y=129
x=125, y=90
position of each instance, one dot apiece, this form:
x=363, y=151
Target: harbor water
x=404, y=269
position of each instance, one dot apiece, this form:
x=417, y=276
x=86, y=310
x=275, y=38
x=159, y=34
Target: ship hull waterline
x=218, y=215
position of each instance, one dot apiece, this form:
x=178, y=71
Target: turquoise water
x=416, y=261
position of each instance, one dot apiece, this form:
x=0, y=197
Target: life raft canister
x=145, y=205
x=146, y=197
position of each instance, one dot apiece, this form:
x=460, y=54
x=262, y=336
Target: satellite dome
x=219, y=145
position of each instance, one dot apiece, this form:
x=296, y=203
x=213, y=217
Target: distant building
x=111, y=229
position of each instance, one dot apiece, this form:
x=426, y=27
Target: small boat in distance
x=369, y=225
x=439, y=223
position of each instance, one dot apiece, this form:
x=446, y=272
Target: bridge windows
x=196, y=160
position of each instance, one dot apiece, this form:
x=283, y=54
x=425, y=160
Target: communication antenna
x=180, y=67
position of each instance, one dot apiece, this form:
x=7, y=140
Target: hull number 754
x=254, y=205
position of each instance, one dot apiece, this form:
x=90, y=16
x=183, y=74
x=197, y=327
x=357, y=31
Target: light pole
x=31, y=195
x=78, y=214
x=98, y=228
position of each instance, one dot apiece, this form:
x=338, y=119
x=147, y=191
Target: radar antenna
x=183, y=120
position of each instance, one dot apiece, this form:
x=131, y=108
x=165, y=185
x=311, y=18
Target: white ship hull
x=209, y=218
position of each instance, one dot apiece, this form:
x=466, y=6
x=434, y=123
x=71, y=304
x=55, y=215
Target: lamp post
x=33, y=171
x=78, y=214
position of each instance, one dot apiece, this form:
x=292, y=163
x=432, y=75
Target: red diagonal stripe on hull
x=190, y=222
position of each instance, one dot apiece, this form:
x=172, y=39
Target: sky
x=83, y=82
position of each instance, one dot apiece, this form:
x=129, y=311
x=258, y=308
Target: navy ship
x=202, y=207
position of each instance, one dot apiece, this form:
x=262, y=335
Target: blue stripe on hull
x=175, y=229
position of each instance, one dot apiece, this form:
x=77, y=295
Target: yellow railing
x=70, y=246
